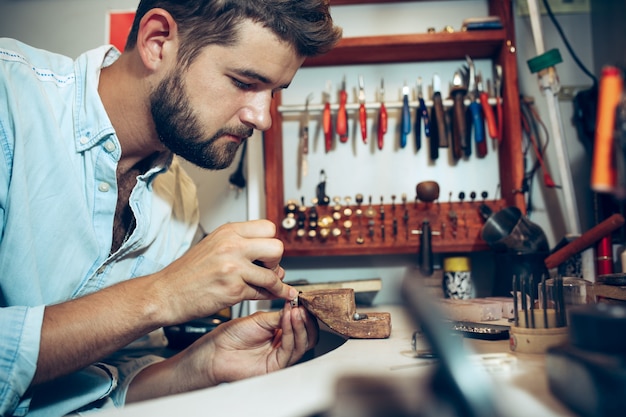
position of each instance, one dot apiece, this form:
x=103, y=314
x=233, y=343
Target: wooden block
x=472, y=310
x=337, y=309
x=613, y=292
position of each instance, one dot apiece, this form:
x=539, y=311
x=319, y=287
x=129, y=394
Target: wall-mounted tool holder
x=366, y=228
x=496, y=45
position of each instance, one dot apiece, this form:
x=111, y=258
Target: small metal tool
x=405, y=122
x=362, y=110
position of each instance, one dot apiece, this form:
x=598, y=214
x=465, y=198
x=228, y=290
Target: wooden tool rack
x=497, y=45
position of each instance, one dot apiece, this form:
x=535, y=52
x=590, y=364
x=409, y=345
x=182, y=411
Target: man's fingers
x=255, y=228
x=269, y=282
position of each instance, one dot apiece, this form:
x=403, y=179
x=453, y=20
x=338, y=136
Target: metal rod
x=515, y=310
x=524, y=304
x=544, y=300
x=531, y=291
x=318, y=108
x=549, y=84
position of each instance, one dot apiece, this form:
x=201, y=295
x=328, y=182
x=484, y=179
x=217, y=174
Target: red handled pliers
x=382, y=116
x=362, y=110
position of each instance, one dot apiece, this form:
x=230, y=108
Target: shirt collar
x=91, y=122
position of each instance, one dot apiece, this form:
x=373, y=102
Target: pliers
x=475, y=117
x=405, y=117
x=498, y=88
x=421, y=115
x=362, y=110
x=460, y=145
x=490, y=118
x=304, y=138
x=327, y=121
x=382, y=116
x=342, y=114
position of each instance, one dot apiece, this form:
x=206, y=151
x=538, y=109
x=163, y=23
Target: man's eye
x=241, y=85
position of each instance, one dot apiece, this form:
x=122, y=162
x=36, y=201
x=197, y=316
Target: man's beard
x=179, y=130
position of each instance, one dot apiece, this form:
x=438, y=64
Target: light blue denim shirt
x=58, y=192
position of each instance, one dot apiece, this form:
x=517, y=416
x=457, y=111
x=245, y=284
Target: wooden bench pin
x=337, y=309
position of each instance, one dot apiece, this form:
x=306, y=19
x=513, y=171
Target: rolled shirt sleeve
x=20, y=332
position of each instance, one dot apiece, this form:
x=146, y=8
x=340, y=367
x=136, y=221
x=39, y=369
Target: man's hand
x=254, y=345
x=238, y=261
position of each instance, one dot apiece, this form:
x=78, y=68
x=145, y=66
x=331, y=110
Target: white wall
x=72, y=26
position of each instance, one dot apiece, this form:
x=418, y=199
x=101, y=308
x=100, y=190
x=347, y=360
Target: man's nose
x=256, y=112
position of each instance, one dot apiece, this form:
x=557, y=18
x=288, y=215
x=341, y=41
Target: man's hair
x=304, y=24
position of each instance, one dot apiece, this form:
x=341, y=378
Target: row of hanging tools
x=453, y=123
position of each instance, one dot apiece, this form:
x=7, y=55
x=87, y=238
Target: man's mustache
x=240, y=132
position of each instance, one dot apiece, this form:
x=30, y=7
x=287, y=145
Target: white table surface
x=308, y=388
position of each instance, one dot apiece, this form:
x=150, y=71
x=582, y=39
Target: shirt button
x=109, y=146
x=104, y=187
x=84, y=140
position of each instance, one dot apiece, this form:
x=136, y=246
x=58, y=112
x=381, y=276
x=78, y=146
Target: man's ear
x=157, y=38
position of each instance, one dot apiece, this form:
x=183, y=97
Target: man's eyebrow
x=248, y=73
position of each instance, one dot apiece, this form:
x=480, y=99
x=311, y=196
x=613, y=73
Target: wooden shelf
x=497, y=45
x=413, y=48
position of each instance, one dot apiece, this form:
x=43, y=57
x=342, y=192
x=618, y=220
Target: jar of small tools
x=457, y=278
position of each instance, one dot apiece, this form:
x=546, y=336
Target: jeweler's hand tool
x=490, y=117
x=382, y=116
x=438, y=131
x=342, y=114
x=459, y=126
x=421, y=115
x=475, y=117
x=327, y=120
x=498, y=88
x=362, y=111
x=405, y=123
x=304, y=137
x=426, y=251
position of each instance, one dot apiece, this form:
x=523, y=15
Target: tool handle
x=426, y=250
x=479, y=129
x=405, y=127
x=342, y=117
x=418, y=129
x=363, y=122
x=328, y=128
x=603, y=174
x=490, y=117
x=305, y=140
x=466, y=142
x=500, y=120
x=425, y=117
x=434, y=139
x=585, y=240
x=382, y=125
x=459, y=126
x=440, y=121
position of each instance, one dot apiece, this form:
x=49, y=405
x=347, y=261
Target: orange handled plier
x=498, y=87
x=342, y=114
x=327, y=121
x=382, y=116
x=362, y=110
x=490, y=117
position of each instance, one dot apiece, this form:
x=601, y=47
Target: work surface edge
x=308, y=388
